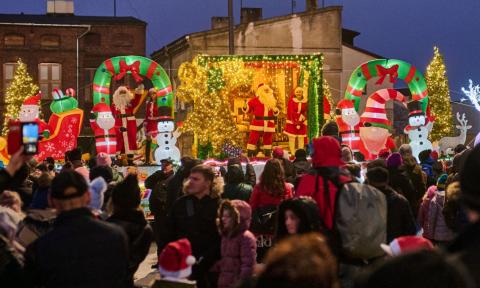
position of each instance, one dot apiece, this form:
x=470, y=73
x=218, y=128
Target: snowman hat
x=415, y=108
x=375, y=113
x=176, y=259
x=344, y=104
x=101, y=107
x=33, y=100
x=406, y=244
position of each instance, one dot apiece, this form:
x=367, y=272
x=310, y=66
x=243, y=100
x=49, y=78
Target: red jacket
x=263, y=118
x=261, y=198
x=296, y=124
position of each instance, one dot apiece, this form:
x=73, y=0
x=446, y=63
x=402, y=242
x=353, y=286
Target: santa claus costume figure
x=29, y=112
x=103, y=126
x=348, y=122
x=296, y=125
x=263, y=107
x=124, y=106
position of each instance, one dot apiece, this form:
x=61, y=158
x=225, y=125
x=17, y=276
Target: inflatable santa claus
x=296, y=124
x=348, y=122
x=103, y=126
x=29, y=112
x=263, y=107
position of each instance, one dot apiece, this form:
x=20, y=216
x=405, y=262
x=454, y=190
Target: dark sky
x=406, y=29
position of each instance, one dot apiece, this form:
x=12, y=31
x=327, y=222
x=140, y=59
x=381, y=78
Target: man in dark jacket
x=399, y=181
x=80, y=251
x=400, y=221
x=193, y=217
x=467, y=245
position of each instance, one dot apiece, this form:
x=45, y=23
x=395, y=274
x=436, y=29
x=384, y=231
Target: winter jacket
x=400, y=220
x=36, y=224
x=238, y=248
x=194, y=219
x=467, y=248
x=261, y=198
x=431, y=219
x=5, y=179
x=326, y=165
x=301, y=166
x=158, y=182
x=80, y=251
x=240, y=191
x=306, y=209
x=11, y=265
x=399, y=181
x=139, y=235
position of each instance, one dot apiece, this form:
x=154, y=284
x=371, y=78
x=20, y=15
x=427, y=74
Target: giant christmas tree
x=21, y=87
x=439, y=96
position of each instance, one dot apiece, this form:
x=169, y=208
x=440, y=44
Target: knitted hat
x=278, y=152
x=126, y=194
x=441, y=181
x=176, y=259
x=375, y=113
x=405, y=244
x=103, y=159
x=394, y=160
x=33, y=100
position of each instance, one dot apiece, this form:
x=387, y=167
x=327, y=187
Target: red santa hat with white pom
x=176, y=259
x=101, y=107
x=32, y=100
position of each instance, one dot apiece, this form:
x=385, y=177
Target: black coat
x=80, y=251
x=194, y=219
x=399, y=181
x=140, y=237
x=5, y=179
x=467, y=248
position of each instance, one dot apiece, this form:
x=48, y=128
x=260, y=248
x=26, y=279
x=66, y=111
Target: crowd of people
x=327, y=221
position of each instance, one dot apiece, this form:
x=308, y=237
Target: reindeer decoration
x=450, y=142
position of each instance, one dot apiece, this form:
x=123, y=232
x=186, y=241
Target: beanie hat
x=176, y=259
x=103, y=159
x=330, y=129
x=278, y=152
x=375, y=113
x=442, y=180
x=394, y=160
x=406, y=244
x=98, y=186
x=126, y=194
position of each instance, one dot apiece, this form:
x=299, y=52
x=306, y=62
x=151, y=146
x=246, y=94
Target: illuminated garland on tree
x=21, y=87
x=328, y=94
x=437, y=83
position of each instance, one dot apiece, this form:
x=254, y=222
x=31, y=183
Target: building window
x=93, y=39
x=88, y=87
x=14, y=40
x=8, y=72
x=122, y=40
x=50, y=41
x=49, y=77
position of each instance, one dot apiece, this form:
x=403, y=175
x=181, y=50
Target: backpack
x=360, y=219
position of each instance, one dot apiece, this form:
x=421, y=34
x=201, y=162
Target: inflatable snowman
x=166, y=141
x=418, y=129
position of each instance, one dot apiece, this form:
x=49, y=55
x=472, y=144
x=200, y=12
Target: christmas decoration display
x=124, y=106
x=328, y=113
x=375, y=127
x=103, y=126
x=4, y=157
x=418, y=129
x=446, y=143
x=61, y=102
x=217, y=86
x=296, y=124
x=166, y=141
x=29, y=112
x=473, y=94
x=230, y=150
x=151, y=114
x=348, y=122
x=383, y=68
x=437, y=83
x=263, y=107
x=21, y=87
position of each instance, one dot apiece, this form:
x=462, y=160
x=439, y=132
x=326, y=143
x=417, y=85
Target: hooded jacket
x=431, y=218
x=305, y=209
x=238, y=248
x=326, y=164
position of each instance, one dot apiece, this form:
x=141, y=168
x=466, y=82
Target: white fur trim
x=176, y=274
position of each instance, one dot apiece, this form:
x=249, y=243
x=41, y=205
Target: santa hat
x=415, y=108
x=57, y=94
x=101, y=107
x=176, y=259
x=375, y=113
x=405, y=244
x=33, y=100
x=344, y=104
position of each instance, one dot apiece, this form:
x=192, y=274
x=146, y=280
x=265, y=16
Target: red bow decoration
x=134, y=69
x=383, y=72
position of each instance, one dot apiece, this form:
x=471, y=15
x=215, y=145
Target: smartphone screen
x=30, y=138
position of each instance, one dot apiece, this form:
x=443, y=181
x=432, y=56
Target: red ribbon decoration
x=134, y=69
x=383, y=72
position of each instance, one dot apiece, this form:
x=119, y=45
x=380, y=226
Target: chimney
x=312, y=5
x=62, y=7
x=248, y=15
x=219, y=22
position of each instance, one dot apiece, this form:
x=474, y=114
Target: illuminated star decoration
x=473, y=94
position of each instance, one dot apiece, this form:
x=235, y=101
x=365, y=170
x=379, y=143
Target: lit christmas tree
x=21, y=87
x=439, y=97
x=328, y=95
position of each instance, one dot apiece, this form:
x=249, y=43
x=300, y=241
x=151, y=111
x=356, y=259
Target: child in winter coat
x=238, y=248
x=430, y=215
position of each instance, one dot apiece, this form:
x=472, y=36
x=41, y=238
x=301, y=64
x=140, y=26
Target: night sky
x=406, y=29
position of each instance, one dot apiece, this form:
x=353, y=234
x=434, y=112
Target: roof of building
x=362, y=50
x=66, y=19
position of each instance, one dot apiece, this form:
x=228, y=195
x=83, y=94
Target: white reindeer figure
x=450, y=142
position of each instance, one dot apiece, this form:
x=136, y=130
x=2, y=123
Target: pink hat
x=405, y=244
x=176, y=259
x=103, y=159
x=278, y=152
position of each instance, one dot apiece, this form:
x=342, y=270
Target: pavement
x=146, y=275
